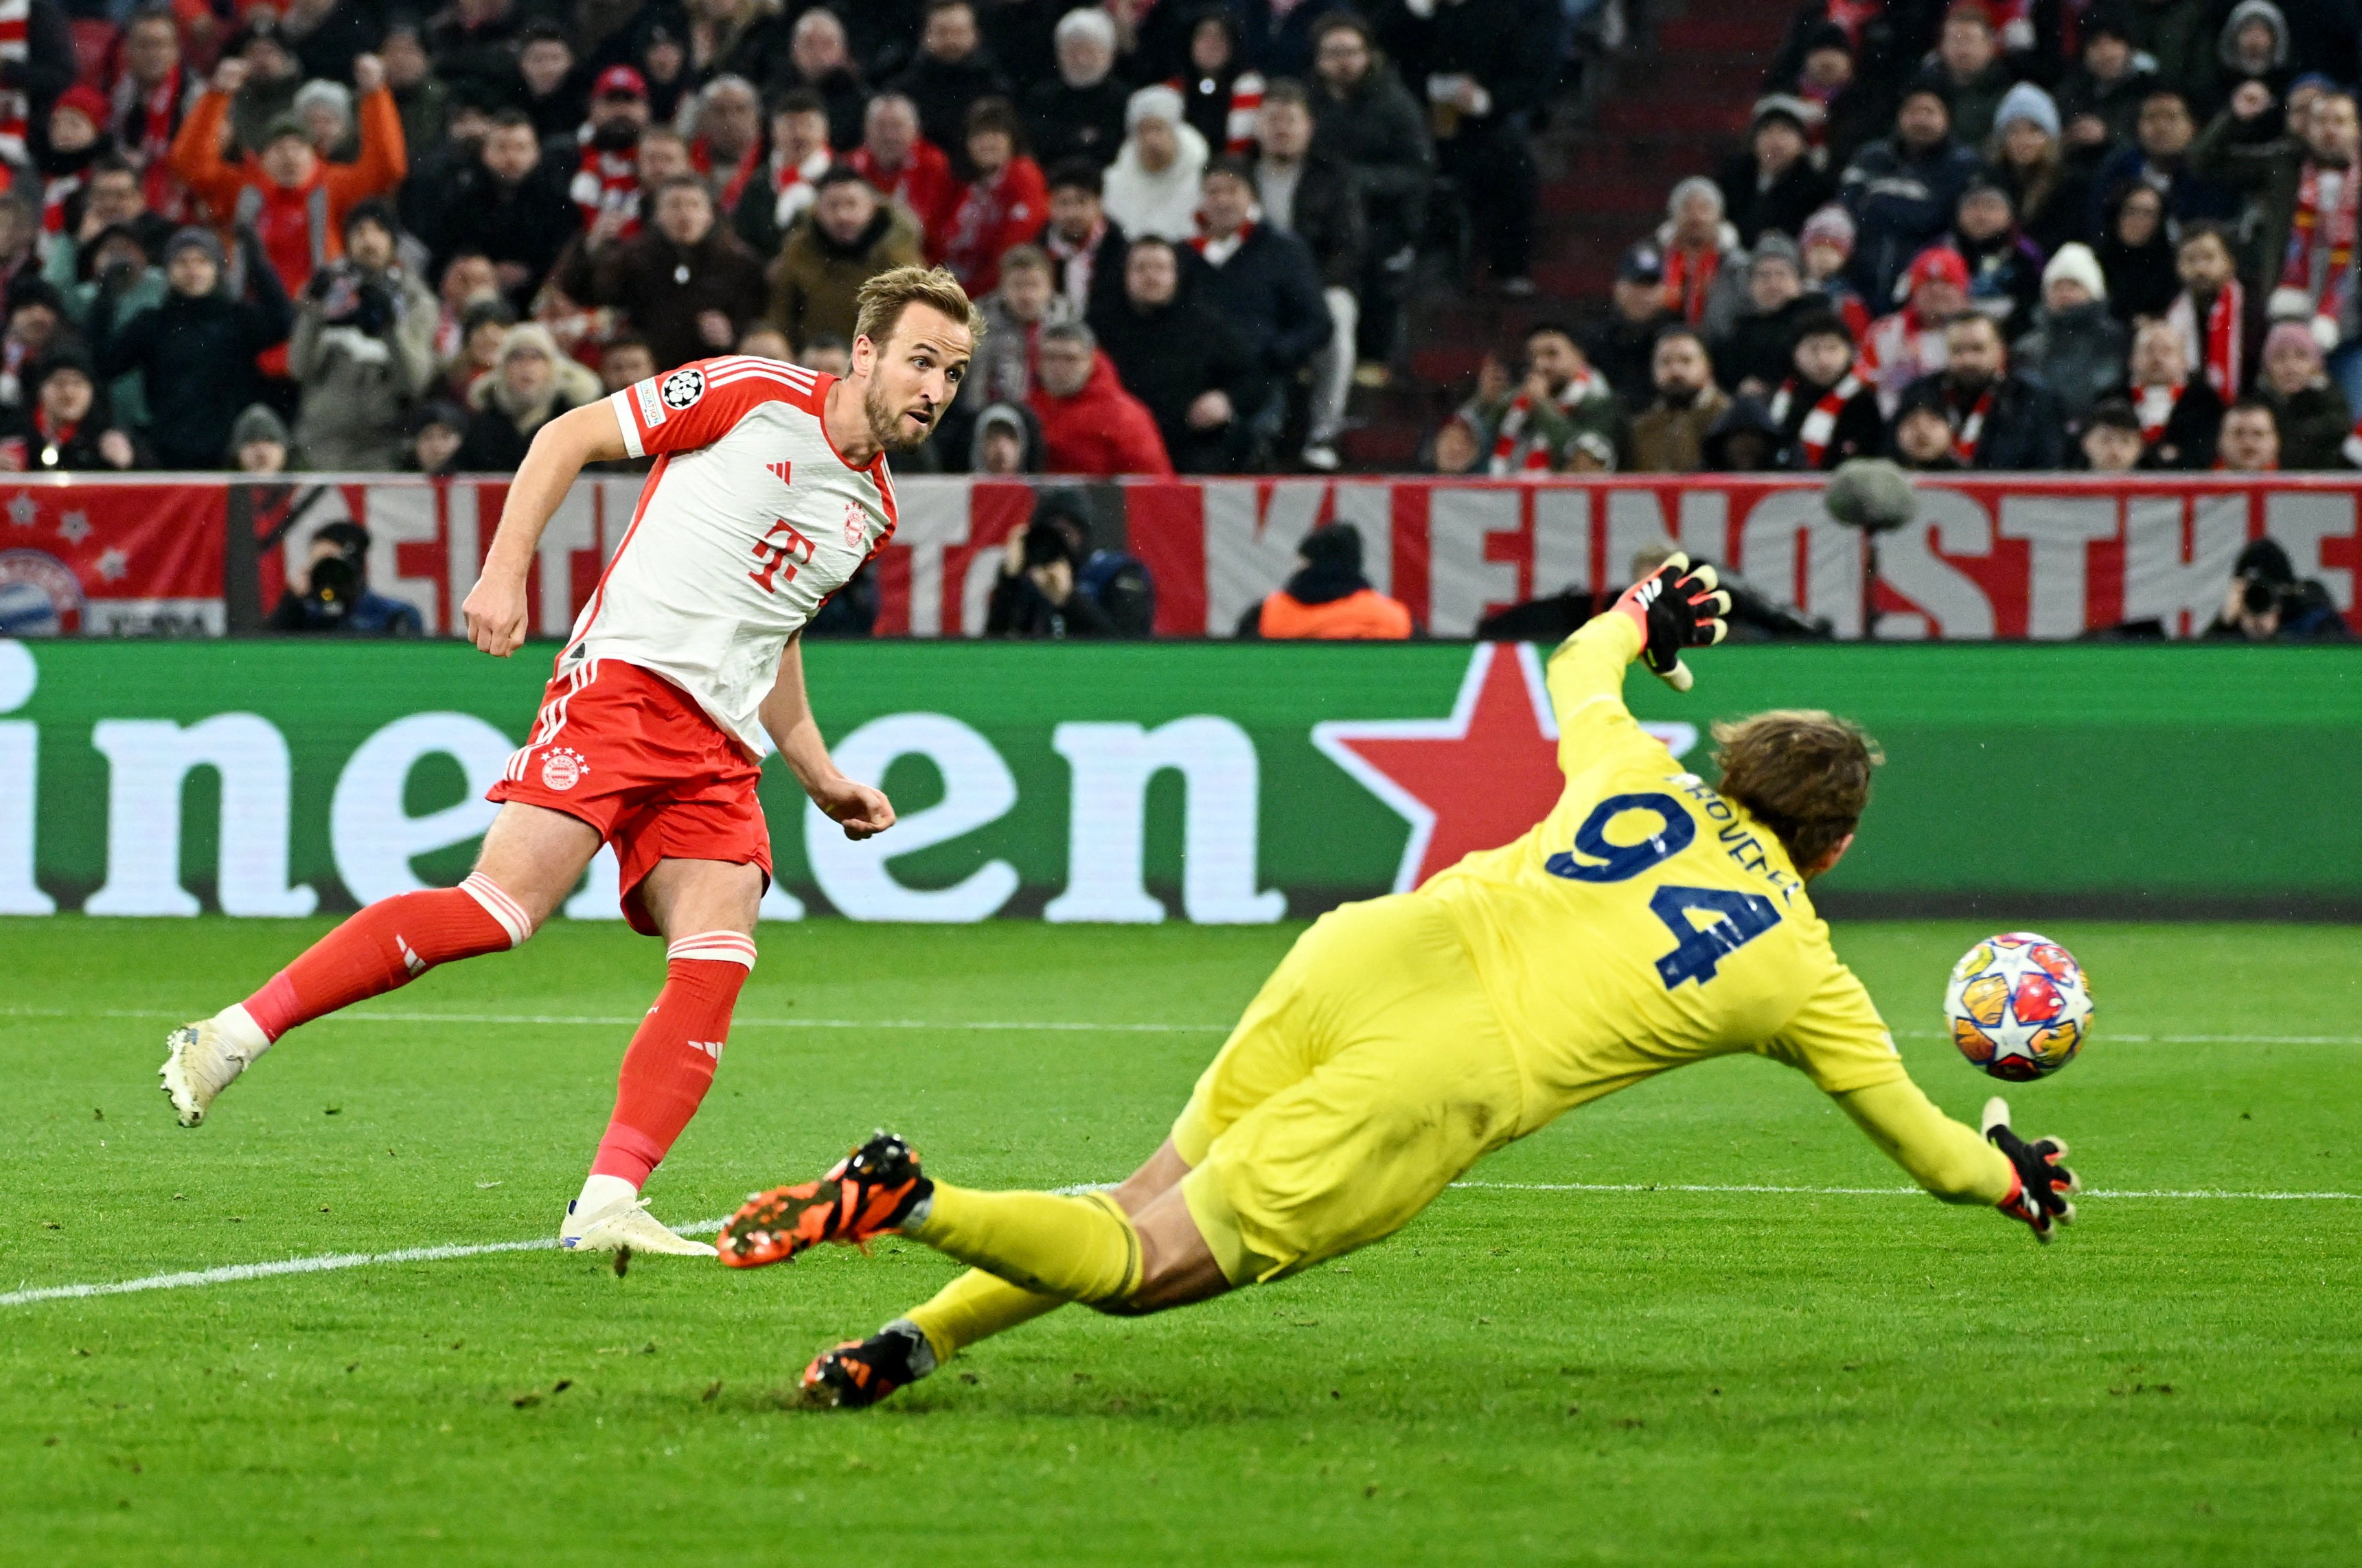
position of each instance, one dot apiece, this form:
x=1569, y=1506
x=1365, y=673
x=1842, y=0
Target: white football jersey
x=749, y=520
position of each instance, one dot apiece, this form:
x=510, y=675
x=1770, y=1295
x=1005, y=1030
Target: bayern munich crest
x=682, y=389
x=563, y=769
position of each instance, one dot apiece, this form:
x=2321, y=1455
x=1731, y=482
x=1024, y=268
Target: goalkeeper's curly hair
x=1803, y=773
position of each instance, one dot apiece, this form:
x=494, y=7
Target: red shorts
x=633, y=755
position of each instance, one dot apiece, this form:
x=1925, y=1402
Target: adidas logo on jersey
x=780, y=469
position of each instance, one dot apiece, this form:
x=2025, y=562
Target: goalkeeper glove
x=2038, y=1183
x=1677, y=606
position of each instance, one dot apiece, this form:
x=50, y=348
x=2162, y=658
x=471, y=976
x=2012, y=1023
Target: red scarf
x=2221, y=355
x=2320, y=257
x=144, y=125
x=1821, y=422
x=793, y=185
x=1688, y=279
x=16, y=48
x=54, y=195
x=2156, y=405
x=700, y=158
x=608, y=182
x=1535, y=456
x=1854, y=15
x=1073, y=259
x=1969, y=433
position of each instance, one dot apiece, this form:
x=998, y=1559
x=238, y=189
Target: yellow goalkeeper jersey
x=1648, y=922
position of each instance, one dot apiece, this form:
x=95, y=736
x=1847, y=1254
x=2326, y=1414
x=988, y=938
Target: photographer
x=1036, y=595
x=331, y=593
x=2265, y=602
x=363, y=348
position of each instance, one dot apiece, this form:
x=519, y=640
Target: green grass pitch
x=1583, y=1361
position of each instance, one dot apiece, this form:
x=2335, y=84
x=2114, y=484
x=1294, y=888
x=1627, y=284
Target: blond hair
x=884, y=298
x=1803, y=773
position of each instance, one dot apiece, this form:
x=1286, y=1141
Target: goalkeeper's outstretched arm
x=2024, y=1180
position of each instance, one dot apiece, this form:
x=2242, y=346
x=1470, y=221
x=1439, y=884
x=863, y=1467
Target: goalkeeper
x=1648, y=922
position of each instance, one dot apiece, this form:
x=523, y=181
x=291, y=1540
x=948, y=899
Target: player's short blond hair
x=1803, y=773
x=885, y=297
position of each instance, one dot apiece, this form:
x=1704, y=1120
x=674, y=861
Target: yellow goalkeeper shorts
x=1366, y=1076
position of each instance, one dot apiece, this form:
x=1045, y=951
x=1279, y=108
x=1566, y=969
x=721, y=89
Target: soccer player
x=771, y=490
x=1650, y=921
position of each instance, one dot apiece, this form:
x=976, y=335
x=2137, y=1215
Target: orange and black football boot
x=859, y=1372
x=866, y=1194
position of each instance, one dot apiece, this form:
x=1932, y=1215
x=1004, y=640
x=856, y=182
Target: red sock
x=389, y=945
x=674, y=1053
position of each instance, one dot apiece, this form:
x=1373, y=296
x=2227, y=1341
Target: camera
x=335, y=584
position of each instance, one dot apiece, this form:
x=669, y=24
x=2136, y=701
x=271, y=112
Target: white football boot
x=203, y=1061
x=625, y=1222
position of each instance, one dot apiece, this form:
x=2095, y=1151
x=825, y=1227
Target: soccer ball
x=2019, y=1005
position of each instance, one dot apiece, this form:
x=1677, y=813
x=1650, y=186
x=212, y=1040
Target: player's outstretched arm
x=1677, y=606
x=861, y=811
x=2023, y=1180
x=495, y=609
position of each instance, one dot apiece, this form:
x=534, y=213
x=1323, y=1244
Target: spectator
x=155, y=93
x=113, y=199
x=324, y=110
x=1843, y=107
x=2180, y=39
x=1826, y=245
x=800, y=155
x=1485, y=73
x=2135, y=256
x=1153, y=185
x=1189, y=360
x=726, y=144
x=1037, y=594
x=2254, y=46
x=1774, y=184
x=195, y=351
x=819, y=62
x=1562, y=417
x=2004, y=266
x=826, y=353
x=474, y=44
x=2178, y=416
x=1262, y=281
x=363, y=348
x=2308, y=412
x=1922, y=437
x=66, y=428
x=607, y=179
x=848, y=238
x=951, y=72
x=295, y=201
x=2000, y=419
x=2112, y=440
x=2306, y=192
x=1363, y=118
x=1328, y=597
x=745, y=39
x=1457, y=446
x=1745, y=439
x=1090, y=424
x=552, y=93
x=688, y=286
x=76, y=139
x=1087, y=250
x=1219, y=94
x=512, y=206
x=1702, y=258
x=1882, y=44
x=1823, y=410
x=625, y=360
x=259, y=442
x=2051, y=193
x=1624, y=346
x=1079, y=112
x=435, y=432
x=1967, y=70
x=1003, y=205
x=903, y=166
x=2078, y=345
x=420, y=96
x=1900, y=191
x=1668, y=436
x=2249, y=441
x=1312, y=196
x=525, y=392
x=117, y=258
x=467, y=279
x=1754, y=356
x=2265, y=602
x=2102, y=98
x=2221, y=320
x=2164, y=158
x=331, y=592
x=1910, y=343
x=1006, y=442
x=1014, y=314
x=483, y=328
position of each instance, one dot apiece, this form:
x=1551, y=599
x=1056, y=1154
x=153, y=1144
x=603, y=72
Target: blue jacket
x=1901, y=203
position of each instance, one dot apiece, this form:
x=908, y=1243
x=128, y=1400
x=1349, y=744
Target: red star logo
x=1474, y=780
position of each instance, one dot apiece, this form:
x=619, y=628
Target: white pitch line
x=1045, y=1025
x=235, y=1273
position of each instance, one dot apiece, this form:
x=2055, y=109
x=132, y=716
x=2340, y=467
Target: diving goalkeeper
x=1648, y=922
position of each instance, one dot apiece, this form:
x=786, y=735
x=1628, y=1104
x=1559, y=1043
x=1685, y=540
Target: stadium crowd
x=342, y=235
x=2098, y=235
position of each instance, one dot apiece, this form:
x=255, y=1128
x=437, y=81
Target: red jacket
x=1102, y=430
x=989, y=218
x=923, y=183
x=300, y=228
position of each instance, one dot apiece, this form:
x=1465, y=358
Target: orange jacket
x=302, y=228
x=1365, y=614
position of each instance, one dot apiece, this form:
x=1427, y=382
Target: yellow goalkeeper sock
x=1077, y=1249
x=975, y=1307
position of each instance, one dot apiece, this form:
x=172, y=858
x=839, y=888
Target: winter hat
x=1830, y=225
x=2028, y=102
x=192, y=236
x=1696, y=185
x=69, y=357
x=1644, y=263
x=1784, y=106
x=84, y=100
x=619, y=82
x=1337, y=546
x=1942, y=264
x=258, y=423
x=1086, y=21
x=1827, y=35
x=528, y=337
x=2075, y=262
x=1773, y=245
x=2247, y=11
x=449, y=416
x=320, y=93
x=1156, y=103
x=2293, y=334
